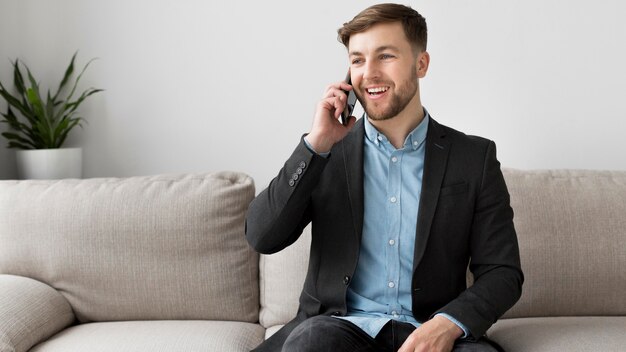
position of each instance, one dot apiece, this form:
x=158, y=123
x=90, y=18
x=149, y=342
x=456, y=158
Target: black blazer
x=464, y=217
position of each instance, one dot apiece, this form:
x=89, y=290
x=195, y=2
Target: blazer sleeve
x=276, y=217
x=494, y=251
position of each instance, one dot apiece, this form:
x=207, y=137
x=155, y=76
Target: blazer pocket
x=454, y=189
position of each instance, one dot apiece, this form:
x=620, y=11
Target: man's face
x=384, y=70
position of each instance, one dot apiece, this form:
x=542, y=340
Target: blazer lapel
x=352, y=148
x=435, y=161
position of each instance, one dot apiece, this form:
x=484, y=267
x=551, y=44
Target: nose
x=371, y=71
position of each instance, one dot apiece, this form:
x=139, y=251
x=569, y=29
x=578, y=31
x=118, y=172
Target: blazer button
x=295, y=177
x=302, y=164
x=346, y=280
x=299, y=171
x=292, y=182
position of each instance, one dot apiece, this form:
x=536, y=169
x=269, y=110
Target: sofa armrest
x=30, y=312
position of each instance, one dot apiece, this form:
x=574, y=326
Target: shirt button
x=394, y=159
x=391, y=284
x=380, y=138
x=394, y=313
x=415, y=143
x=392, y=242
x=393, y=199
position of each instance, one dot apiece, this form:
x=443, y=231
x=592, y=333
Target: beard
x=398, y=101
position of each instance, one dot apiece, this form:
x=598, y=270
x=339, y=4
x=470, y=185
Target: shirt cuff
x=309, y=147
x=457, y=323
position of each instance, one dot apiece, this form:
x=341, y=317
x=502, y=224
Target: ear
x=421, y=63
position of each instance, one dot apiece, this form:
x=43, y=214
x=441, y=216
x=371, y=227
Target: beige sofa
x=161, y=264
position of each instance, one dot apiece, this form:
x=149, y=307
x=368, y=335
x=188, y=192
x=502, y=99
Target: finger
x=340, y=86
x=345, y=86
x=340, y=105
x=335, y=92
x=333, y=105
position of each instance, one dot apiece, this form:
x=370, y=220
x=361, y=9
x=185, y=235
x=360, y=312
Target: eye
x=386, y=56
x=356, y=61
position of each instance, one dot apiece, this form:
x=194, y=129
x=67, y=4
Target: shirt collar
x=413, y=140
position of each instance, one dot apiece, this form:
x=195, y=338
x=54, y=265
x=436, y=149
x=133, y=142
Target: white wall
x=206, y=86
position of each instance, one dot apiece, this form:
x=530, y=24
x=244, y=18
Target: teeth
x=377, y=90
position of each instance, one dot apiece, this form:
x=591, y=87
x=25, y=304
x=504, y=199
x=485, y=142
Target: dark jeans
x=322, y=333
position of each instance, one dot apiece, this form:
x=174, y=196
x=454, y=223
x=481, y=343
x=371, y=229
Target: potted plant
x=39, y=125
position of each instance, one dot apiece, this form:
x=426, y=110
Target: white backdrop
x=205, y=86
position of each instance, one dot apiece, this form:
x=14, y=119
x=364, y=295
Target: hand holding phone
x=325, y=131
x=350, y=103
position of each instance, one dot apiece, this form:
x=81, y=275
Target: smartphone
x=347, y=111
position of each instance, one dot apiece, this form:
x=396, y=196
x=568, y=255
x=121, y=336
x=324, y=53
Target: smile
x=377, y=90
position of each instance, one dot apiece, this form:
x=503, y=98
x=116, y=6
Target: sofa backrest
x=571, y=227
x=140, y=248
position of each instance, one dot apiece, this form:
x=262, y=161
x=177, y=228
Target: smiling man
x=400, y=205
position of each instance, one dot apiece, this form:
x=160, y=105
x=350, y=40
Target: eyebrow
x=378, y=50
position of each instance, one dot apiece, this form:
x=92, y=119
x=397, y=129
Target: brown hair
x=413, y=23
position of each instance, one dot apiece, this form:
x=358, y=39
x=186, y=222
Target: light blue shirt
x=380, y=289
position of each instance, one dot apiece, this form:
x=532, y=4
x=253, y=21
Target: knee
x=308, y=335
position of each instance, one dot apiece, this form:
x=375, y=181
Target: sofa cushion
x=571, y=227
x=141, y=336
x=30, y=312
x=140, y=248
x=557, y=334
x=281, y=278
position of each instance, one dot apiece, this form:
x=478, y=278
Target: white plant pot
x=49, y=164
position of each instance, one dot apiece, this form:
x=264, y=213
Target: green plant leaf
x=17, y=138
x=68, y=73
x=71, y=106
x=20, y=127
x=64, y=133
x=13, y=144
x=9, y=116
x=15, y=102
x=18, y=79
x=49, y=108
x=34, y=98
x=78, y=79
x=12, y=121
x=43, y=125
x=43, y=130
x=35, y=101
x=63, y=128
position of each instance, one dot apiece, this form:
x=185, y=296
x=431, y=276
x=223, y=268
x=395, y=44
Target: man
x=399, y=205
